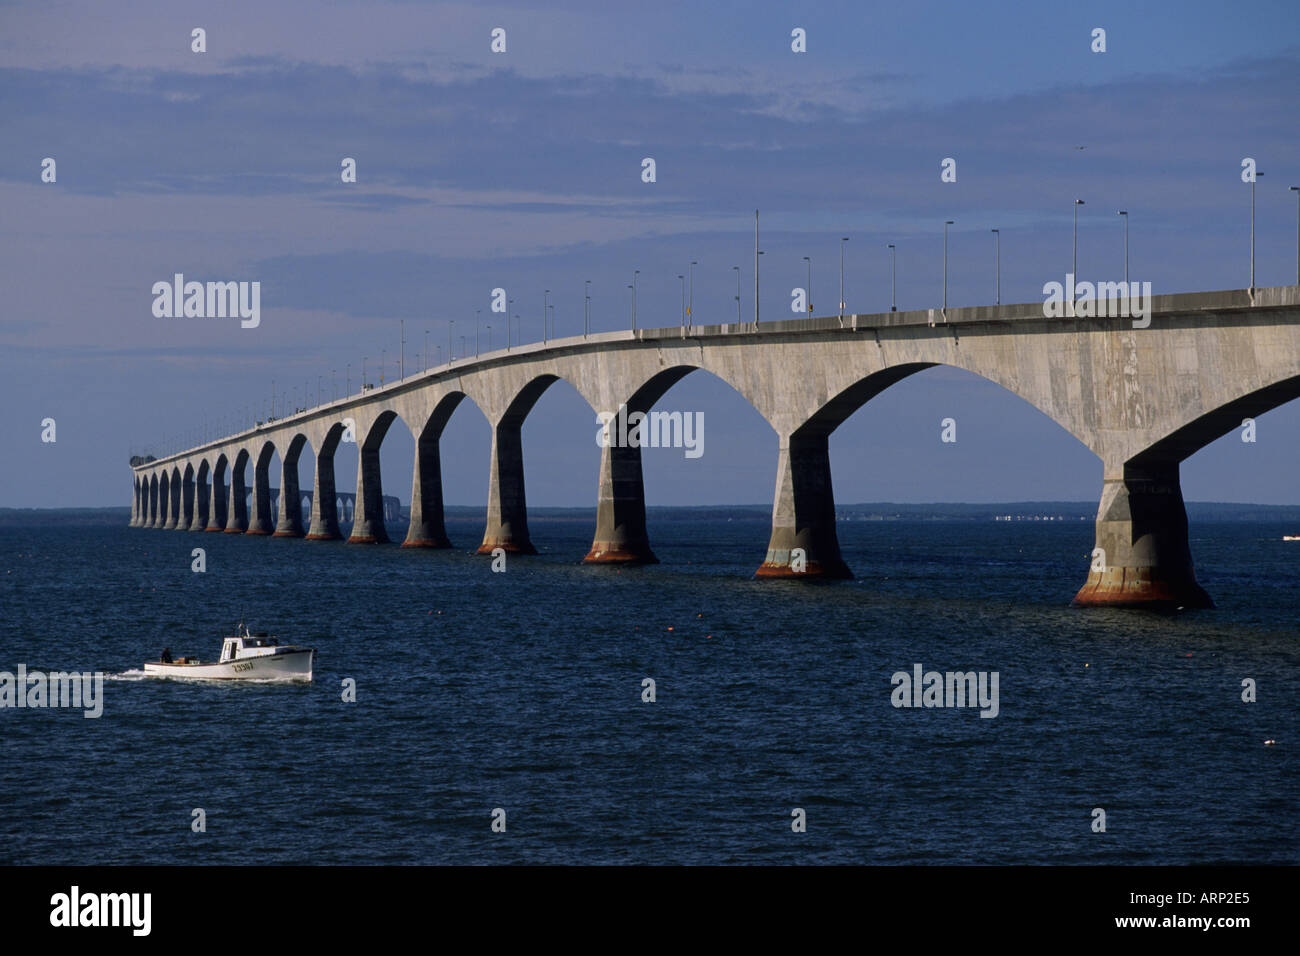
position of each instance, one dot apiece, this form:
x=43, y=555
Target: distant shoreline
x=1072, y=511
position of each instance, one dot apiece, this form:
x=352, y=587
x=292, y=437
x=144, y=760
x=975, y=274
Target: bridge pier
x=151, y=518
x=173, y=506
x=217, y=513
x=803, y=515
x=427, y=528
x=1142, y=534
x=187, y=503
x=324, y=503
x=237, y=506
x=135, y=504
x=199, y=506
x=289, y=520
x=507, y=512
x=620, y=510
x=368, y=509
x=259, y=522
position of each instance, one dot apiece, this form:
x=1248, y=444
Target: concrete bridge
x=1142, y=399
x=344, y=504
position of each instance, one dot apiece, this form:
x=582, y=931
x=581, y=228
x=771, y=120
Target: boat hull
x=293, y=666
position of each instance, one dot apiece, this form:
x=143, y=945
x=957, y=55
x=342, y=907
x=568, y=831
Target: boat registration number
x=240, y=668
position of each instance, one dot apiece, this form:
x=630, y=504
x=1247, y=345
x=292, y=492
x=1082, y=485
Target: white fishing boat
x=245, y=656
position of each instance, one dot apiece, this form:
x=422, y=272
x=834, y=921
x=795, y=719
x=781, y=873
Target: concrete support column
x=620, y=510
x=507, y=514
x=199, y=506
x=236, y=506
x=259, y=522
x=803, y=516
x=289, y=520
x=173, y=506
x=426, y=528
x=135, y=505
x=1143, y=558
x=220, y=499
x=368, y=510
x=324, y=502
x=154, y=518
x=188, y=505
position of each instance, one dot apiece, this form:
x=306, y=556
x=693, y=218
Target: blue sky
x=522, y=170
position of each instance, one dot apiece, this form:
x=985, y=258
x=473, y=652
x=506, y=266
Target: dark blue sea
x=522, y=690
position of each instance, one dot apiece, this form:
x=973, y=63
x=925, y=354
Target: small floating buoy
x=1087, y=665
x=1269, y=742
x=670, y=628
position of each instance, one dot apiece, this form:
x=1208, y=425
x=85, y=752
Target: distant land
x=1288, y=515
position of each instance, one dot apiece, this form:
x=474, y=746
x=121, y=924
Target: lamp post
x=1252, y=228
x=426, y=350
x=946, y=224
x=401, y=368
x=635, y=273
x=893, y=274
x=546, y=307
x=690, y=297
x=756, y=255
x=451, y=326
x=997, y=266
x=477, y=314
x=510, y=308
x=348, y=380
x=1074, y=261
x=1296, y=190
x=1124, y=213
x=737, y=268
x=808, y=259
x=843, y=239
x=683, y=278
x=586, y=308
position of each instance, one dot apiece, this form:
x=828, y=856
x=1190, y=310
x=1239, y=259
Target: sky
x=522, y=170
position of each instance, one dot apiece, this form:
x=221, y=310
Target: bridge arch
x=237, y=509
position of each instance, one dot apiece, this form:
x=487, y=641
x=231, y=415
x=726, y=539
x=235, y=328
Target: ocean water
x=522, y=690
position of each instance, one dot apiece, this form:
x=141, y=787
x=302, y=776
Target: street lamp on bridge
x=893, y=274
x=997, y=266
x=1124, y=213
x=1296, y=190
x=946, y=224
x=737, y=268
x=1074, y=261
x=843, y=239
x=808, y=259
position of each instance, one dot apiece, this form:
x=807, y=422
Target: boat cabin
x=247, y=645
